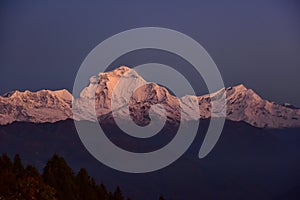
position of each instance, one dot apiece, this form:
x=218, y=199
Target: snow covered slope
x=49, y=106
x=245, y=105
x=39, y=107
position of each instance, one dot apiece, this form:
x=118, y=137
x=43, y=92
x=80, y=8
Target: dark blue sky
x=42, y=43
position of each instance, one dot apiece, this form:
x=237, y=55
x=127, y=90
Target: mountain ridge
x=243, y=104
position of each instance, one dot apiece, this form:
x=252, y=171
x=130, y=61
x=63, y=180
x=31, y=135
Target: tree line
x=57, y=182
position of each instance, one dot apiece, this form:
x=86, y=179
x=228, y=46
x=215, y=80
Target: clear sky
x=257, y=43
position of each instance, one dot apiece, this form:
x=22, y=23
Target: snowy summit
x=243, y=104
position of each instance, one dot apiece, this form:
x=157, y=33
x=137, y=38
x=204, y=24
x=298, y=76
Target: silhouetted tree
x=58, y=182
x=102, y=192
x=31, y=186
x=118, y=194
x=61, y=177
x=110, y=196
x=19, y=183
x=7, y=177
x=86, y=186
x=18, y=167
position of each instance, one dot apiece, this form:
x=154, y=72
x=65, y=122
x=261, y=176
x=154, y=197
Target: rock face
x=95, y=100
x=98, y=94
x=245, y=105
x=38, y=107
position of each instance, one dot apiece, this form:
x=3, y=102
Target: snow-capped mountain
x=95, y=102
x=38, y=107
x=245, y=105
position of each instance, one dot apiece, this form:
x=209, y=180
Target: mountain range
x=256, y=157
x=243, y=104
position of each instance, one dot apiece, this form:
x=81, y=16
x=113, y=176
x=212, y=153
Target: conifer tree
x=86, y=186
x=102, y=192
x=58, y=182
x=31, y=186
x=18, y=167
x=7, y=177
x=60, y=176
x=118, y=194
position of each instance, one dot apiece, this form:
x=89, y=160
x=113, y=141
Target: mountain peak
x=243, y=104
x=116, y=72
x=38, y=107
x=237, y=88
x=9, y=94
x=240, y=87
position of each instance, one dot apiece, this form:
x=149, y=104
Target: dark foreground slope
x=246, y=163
